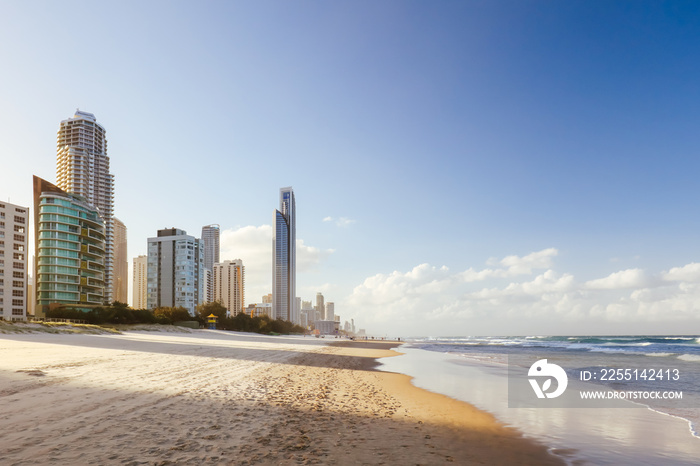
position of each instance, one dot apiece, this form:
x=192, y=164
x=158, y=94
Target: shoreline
x=463, y=430
x=211, y=397
x=634, y=434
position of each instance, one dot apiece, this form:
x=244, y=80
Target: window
x=18, y=265
x=18, y=256
x=17, y=312
x=18, y=293
x=19, y=229
x=17, y=284
x=19, y=238
x=18, y=247
x=19, y=219
x=18, y=302
x=17, y=274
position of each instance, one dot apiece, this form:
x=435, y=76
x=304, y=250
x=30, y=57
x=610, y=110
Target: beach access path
x=215, y=397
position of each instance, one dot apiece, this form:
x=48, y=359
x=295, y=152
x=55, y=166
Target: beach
x=478, y=370
x=214, y=397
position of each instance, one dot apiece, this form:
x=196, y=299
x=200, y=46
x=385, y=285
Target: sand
x=211, y=397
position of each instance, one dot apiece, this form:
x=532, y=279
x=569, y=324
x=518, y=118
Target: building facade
x=229, y=286
x=69, y=249
x=259, y=310
x=211, y=238
x=14, y=257
x=121, y=263
x=330, y=311
x=320, y=306
x=175, y=270
x=82, y=167
x=284, y=258
x=140, y=283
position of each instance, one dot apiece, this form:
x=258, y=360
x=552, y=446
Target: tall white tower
x=82, y=167
x=210, y=237
x=284, y=258
x=140, y=283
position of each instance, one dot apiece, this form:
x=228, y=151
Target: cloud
x=308, y=257
x=687, y=273
x=535, y=300
x=624, y=279
x=511, y=266
x=341, y=222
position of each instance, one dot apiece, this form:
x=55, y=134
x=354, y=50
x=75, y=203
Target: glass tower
x=284, y=258
x=69, y=249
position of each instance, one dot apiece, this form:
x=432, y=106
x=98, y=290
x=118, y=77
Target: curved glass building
x=69, y=249
x=284, y=258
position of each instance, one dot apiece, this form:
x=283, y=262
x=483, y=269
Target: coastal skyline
x=465, y=167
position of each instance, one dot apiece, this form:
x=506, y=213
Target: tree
x=216, y=308
x=172, y=314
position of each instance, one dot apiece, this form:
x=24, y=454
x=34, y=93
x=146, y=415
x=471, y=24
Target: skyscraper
x=229, y=284
x=284, y=258
x=69, y=238
x=320, y=306
x=330, y=311
x=140, y=283
x=210, y=236
x=121, y=262
x=175, y=270
x=82, y=167
x=14, y=257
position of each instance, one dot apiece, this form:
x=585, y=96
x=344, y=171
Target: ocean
x=652, y=384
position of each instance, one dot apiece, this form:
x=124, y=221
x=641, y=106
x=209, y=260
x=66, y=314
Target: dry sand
x=212, y=397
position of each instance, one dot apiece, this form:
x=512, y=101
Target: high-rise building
x=139, y=299
x=121, y=263
x=320, y=306
x=14, y=297
x=82, y=167
x=284, y=258
x=330, y=311
x=210, y=236
x=69, y=238
x=175, y=270
x=229, y=285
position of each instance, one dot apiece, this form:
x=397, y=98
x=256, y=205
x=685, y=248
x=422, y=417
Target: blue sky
x=471, y=167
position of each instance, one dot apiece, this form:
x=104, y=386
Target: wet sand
x=211, y=397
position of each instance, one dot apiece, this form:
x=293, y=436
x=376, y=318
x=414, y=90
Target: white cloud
x=624, y=279
x=308, y=257
x=433, y=300
x=341, y=222
x=511, y=266
x=687, y=273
